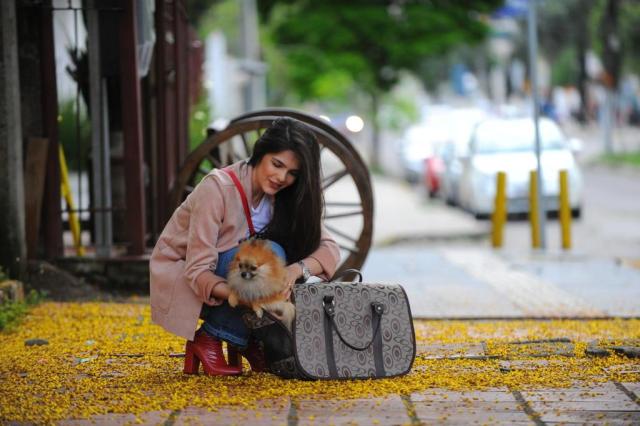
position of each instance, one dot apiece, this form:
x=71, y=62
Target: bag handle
x=348, y=271
x=329, y=305
x=243, y=197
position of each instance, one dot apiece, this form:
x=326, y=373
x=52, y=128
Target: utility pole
x=13, y=245
x=533, y=64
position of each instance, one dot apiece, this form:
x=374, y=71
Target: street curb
x=433, y=238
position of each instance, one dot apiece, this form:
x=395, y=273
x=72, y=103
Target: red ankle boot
x=254, y=353
x=208, y=350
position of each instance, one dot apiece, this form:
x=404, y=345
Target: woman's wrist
x=220, y=290
x=305, y=273
x=295, y=269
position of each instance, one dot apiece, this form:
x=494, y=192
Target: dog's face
x=248, y=268
x=254, y=259
x=256, y=271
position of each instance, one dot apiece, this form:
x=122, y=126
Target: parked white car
x=455, y=149
x=508, y=145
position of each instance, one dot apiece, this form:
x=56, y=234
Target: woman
x=189, y=263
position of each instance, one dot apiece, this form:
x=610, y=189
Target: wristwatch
x=306, y=273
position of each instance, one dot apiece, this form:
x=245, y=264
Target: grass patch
x=623, y=158
x=12, y=312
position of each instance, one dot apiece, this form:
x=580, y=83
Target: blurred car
x=455, y=149
x=419, y=140
x=508, y=145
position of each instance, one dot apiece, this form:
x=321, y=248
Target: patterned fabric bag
x=342, y=330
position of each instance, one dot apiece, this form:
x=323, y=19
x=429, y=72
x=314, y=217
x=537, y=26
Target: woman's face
x=276, y=171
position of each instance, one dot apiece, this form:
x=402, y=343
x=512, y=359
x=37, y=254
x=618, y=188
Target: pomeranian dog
x=257, y=278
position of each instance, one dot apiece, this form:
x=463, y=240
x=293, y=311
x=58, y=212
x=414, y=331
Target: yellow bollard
x=65, y=188
x=565, y=210
x=533, y=209
x=499, y=216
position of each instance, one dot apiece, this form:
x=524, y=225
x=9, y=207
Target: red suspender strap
x=243, y=197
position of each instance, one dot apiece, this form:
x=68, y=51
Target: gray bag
x=342, y=330
x=353, y=330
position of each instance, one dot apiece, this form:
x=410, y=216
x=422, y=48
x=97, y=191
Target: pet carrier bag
x=342, y=330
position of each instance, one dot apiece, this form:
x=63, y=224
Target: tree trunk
x=581, y=47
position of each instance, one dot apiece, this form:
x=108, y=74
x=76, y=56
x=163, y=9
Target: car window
x=514, y=136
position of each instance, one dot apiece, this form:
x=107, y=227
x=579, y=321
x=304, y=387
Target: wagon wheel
x=314, y=121
x=347, y=187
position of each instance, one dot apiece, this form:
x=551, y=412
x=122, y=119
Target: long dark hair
x=297, y=213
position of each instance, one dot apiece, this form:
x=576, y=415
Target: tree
x=368, y=42
x=566, y=44
x=612, y=27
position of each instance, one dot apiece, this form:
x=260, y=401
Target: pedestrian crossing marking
x=534, y=296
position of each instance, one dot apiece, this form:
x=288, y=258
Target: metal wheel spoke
x=353, y=250
x=348, y=214
x=245, y=142
x=188, y=189
x=231, y=154
x=203, y=170
x=340, y=233
x=330, y=180
x=214, y=161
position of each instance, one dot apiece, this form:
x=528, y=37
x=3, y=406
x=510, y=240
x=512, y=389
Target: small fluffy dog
x=257, y=278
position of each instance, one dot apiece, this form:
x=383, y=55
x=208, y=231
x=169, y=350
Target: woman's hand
x=220, y=291
x=294, y=271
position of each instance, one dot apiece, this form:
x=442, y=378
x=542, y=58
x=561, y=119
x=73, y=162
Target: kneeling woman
x=191, y=258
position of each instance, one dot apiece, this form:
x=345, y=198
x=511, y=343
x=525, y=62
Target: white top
x=261, y=215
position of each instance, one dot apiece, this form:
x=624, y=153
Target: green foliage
x=74, y=132
x=623, y=158
x=628, y=31
x=565, y=70
x=630, y=34
x=367, y=42
x=221, y=16
x=559, y=25
x=201, y=14
x=595, y=22
x=199, y=122
x=399, y=113
x=12, y=312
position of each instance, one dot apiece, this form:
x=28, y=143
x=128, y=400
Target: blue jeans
x=223, y=321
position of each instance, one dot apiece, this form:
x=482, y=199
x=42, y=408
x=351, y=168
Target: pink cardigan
x=209, y=221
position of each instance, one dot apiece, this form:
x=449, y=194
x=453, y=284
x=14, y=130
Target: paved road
x=423, y=246
x=610, y=226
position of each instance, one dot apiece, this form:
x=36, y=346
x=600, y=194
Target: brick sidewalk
x=106, y=363
x=614, y=402
x=607, y=403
